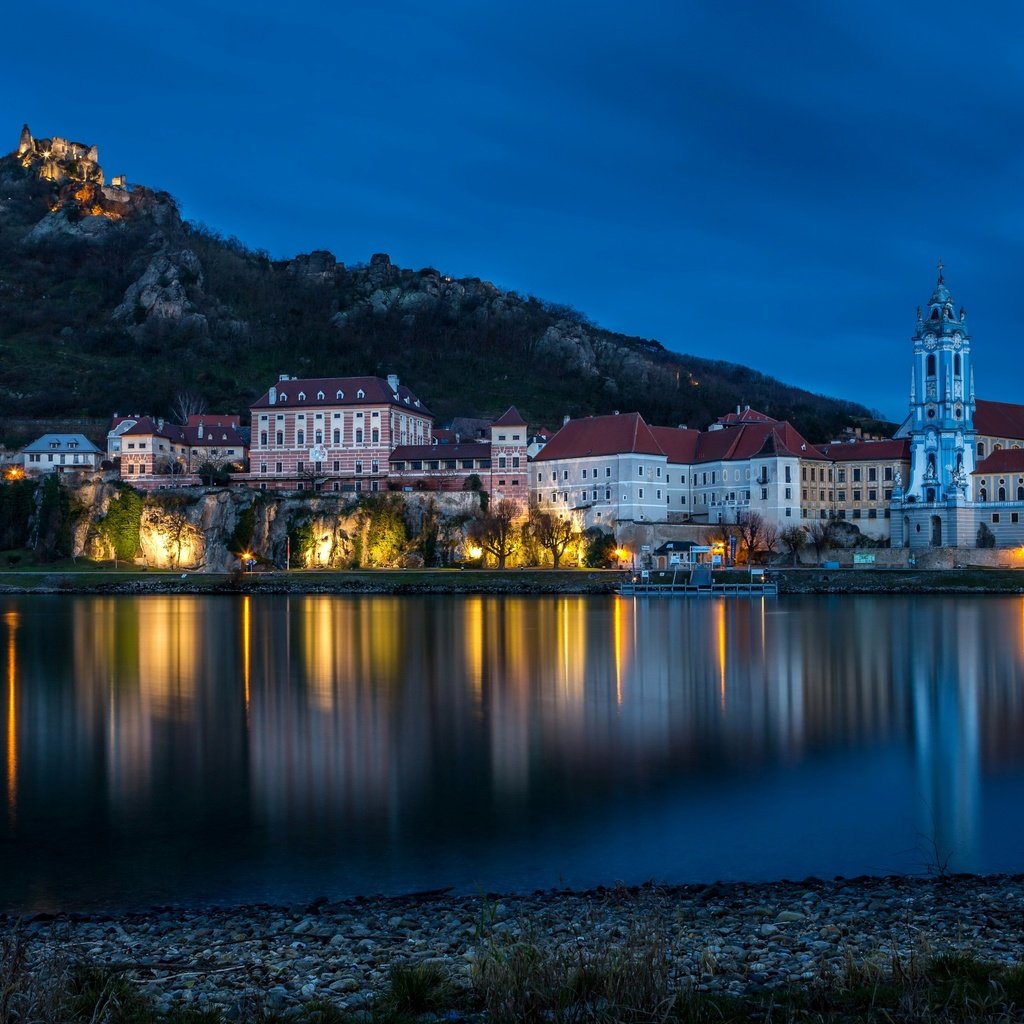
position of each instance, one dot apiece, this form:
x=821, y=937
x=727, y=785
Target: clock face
x=929, y=342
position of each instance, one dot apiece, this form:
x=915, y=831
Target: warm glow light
x=475, y=552
x=246, y=651
x=12, y=714
x=14, y=473
x=720, y=629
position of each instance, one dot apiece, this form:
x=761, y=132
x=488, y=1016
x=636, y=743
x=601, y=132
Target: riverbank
x=970, y=580
x=724, y=943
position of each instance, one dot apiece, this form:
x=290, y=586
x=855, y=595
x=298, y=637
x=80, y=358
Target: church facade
x=965, y=486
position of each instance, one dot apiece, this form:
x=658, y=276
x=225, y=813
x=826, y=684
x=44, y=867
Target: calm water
x=174, y=749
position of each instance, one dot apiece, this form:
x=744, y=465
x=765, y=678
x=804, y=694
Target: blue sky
x=771, y=184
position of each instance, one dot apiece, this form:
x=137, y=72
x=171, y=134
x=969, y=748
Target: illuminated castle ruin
x=60, y=160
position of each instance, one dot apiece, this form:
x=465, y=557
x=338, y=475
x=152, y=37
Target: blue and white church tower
x=940, y=427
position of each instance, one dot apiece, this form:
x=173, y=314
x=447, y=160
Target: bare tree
x=770, y=538
x=554, y=533
x=751, y=526
x=495, y=530
x=793, y=539
x=187, y=403
x=819, y=533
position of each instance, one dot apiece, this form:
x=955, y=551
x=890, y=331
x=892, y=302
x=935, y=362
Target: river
x=226, y=749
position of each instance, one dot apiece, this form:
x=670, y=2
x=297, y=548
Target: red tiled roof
x=999, y=419
x=147, y=425
x=678, y=443
x=463, y=450
x=744, y=416
x=747, y=440
x=213, y=418
x=216, y=432
x=1006, y=460
x=376, y=391
x=865, y=451
x=510, y=418
x=601, y=435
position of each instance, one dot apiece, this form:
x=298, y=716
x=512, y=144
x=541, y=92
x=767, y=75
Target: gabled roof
x=743, y=416
x=865, y=451
x=510, y=418
x=999, y=419
x=601, y=435
x=146, y=425
x=1006, y=460
x=375, y=391
x=63, y=443
x=746, y=441
x=216, y=432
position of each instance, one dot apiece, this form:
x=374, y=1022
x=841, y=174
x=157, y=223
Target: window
x=565, y=474
x=872, y=473
x=888, y=473
x=280, y=438
x=501, y=463
x=872, y=495
x=640, y=471
x=607, y=494
x=995, y=517
x=277, y=467
x=337, y=466
x=1014, y=517
x=887, y=493
x=788, y=477
x=930, y=366
x=300, y=467
x=375, y=465
x=840, y=495
x=584, y=474
x=856, y=495
x=788, y=493
x=337, y=436
x=375, y=435
x=856, y=475
x=359, y=435
x=515, y=462
x=263, y=467
x=359, y=465
x=981, y=449
x=1002, y=494
x=318, y=437
x=608, y=471
x=263, y=438
x=764, y=493
x=640, y=492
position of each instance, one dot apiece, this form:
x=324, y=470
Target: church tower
x=941, y=422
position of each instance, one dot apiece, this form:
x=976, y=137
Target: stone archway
x=936, y=531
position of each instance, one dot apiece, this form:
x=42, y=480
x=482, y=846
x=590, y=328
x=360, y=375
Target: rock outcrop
x=165, y=292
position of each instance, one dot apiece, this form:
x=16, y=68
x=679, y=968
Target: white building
x=61, y=453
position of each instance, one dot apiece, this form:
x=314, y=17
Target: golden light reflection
x=720, y=632
x=617, y=633
x=246, y=649
x=12, y=618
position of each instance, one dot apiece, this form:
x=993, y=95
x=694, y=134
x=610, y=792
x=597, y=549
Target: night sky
x=771, y=184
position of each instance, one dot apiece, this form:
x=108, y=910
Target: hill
x=109, y=301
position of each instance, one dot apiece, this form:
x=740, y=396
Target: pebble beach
x=727, y=938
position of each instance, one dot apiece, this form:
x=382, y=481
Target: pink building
x=332, y=433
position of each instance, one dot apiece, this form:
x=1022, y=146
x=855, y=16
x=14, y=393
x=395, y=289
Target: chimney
x=393, y=381
x=160, y=423
x=272, y=396
x=565, y=419
x=282, y=376
x=199, y=432
x=737, y=410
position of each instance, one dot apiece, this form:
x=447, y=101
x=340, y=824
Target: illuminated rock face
x=60, y=160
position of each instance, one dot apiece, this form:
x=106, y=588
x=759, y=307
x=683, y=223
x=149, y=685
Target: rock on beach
x=726, y=937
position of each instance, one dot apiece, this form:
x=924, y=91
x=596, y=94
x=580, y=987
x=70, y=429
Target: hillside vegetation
x=108, y=301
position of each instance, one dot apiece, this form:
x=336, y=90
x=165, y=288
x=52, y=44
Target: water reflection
x=179, y=748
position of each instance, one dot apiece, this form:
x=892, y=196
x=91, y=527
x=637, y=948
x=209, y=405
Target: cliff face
x=205, y=530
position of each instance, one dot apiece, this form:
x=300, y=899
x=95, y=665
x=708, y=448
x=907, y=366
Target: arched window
x=318, y=437
x=983, y=494
x=956, y=364
x=930, y=371
x=1002, y=494
x=997, y=447
x=981, y=449
x=1020, y=493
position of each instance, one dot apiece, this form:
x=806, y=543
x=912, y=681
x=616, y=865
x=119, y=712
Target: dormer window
x=339, y=394
x=302, y=396
x=283, y=397
x=360, y=393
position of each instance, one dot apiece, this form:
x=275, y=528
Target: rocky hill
x=109, y=301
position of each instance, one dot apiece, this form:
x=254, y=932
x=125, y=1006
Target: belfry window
x=930, y=370
x=956, y=364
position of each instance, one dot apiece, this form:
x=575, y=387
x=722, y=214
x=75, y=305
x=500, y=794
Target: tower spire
x=941, y=267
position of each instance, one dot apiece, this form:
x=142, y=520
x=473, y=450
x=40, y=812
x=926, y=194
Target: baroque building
x=966, y=455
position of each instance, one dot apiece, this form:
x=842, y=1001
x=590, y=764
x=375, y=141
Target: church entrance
x=936, y=532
